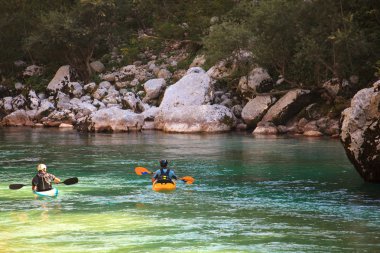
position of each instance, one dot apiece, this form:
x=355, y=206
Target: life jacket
x=164, y=176
x=44, y=182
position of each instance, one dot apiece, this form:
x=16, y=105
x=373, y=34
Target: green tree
x=73, y=35
x=18, y=18
x=306, y=42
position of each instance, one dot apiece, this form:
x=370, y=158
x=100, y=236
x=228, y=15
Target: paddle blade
x=142, y=171
x=16, y=186
x=187, y=179
x=70, y=181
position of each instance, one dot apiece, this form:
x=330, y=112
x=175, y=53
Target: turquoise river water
x=250, y=194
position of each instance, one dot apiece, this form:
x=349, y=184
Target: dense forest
x=303, y=42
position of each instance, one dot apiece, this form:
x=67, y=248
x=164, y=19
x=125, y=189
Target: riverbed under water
x=273, y=194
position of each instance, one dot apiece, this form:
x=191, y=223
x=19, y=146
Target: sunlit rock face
x=115, y=120
x=17, y=118
x=360, y=132
x=287, y=106
x=196, y=118
x=185, y=107
x=195, y=88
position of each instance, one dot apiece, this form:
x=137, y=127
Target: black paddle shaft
x=68, y=181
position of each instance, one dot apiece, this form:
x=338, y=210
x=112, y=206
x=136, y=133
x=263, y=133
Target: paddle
x=68, y=181
x=143, y=171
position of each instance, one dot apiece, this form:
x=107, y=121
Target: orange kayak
x=167, y=186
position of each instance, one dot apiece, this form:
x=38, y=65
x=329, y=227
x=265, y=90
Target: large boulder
x=196, y=118
x=193, y=89
x=115, y=120
x=17, y=118
x=61, y=79
x=287, y=106
x=55, y=118
x=255, y=109
x=258, y=81
x=360, y=133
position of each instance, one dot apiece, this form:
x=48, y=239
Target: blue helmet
x=164, y=163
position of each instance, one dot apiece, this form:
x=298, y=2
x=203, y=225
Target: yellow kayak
x=163, y=186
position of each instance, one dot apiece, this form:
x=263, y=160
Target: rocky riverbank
x=149, y=96
x=154, y=96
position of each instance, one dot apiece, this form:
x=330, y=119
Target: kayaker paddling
x=43, y=180
x=163, y=178
x=164, y=174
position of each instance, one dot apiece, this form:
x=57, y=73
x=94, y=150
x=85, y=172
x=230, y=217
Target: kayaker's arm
x=57, y=180
x=34, y=184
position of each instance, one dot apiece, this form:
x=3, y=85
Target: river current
x=251, y=194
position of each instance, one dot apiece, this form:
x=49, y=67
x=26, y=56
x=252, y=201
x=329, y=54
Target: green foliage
x=377, y=67
x=226, y=38
x=306, y=42
x=95, y=78
x=169, y=30
x=17, y=20
x=73, y=35
x=37, y=83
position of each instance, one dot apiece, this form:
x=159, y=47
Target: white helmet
x=41, y=167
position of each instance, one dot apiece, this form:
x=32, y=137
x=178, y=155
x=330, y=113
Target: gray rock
x=33, y=70
x=192, y=89
x=90, y=87
x=265, y=128
x=258, y=81
x=164, y=73
x=17, y=118
x=288, y=106
x=115, y=120
x=133, y=102
x=100, y=93
x=97, y=66
x=196, y=118
x=7, y=104
x=237, y=110
x=104, y=85
x=19, y=86
x=60, y=80
x=360, y=133
x=76, y=89
x=255, y=109
x=45, y=109
x=153, y=88
x=18, y=102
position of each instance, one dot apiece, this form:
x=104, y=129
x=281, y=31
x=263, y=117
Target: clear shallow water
x=250, y=195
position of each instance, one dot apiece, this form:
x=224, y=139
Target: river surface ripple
x=272, y=194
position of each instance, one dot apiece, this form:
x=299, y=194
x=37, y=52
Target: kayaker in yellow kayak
x=164, y=174
x=42, y=181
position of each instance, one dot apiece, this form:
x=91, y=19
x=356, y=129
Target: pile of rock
x=146, y=96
